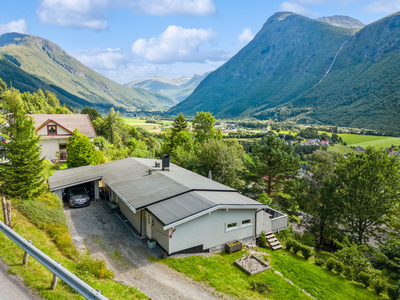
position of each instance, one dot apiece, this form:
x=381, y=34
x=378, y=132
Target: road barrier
x=59, y=271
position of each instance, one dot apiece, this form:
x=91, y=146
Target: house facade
x=181, y=210
x=54, y=131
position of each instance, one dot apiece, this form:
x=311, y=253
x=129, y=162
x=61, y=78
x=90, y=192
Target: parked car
x=76, y=197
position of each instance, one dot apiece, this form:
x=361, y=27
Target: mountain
x=309, y=71
x=74, y=83
x=177, y=88
x=342, y=21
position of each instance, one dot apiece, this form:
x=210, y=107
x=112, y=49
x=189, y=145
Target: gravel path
x=12, y=287
x=106, y=237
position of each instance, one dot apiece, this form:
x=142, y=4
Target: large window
x=231, y=226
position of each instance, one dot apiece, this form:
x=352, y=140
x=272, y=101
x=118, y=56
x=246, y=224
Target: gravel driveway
x=106, y=237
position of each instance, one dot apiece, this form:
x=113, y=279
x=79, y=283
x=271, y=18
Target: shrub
x=393, y=292
x=348, y=272
x=319, y=261
x=307, y=252
x=97, y=268
x=338, y=267
x=379, y=285
x=289, y=244
x=365, y=278
x=263, y=239
x=260, y=287
x=308, y=240
x=296, y=247
x=330, y=264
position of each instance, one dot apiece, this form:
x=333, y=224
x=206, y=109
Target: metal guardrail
x=73, y=281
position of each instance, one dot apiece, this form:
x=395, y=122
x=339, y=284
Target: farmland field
x=367, y=140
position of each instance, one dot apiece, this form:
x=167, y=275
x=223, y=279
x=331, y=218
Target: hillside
x=75, y=83
x=177, y=88
x=361, y=87
x=342, y=21
x=288, y=56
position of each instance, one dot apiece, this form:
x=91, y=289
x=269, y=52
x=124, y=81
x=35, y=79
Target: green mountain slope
x=342, y=21
x=288, y=56
x=177, y=88
x=71, y=79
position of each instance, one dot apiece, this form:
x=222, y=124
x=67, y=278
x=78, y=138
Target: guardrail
x=73, y=281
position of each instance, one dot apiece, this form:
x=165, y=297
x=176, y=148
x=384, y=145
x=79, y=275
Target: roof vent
x=209, y=174
x=165, y=162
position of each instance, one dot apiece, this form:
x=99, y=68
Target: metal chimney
x=165, y=162
x=209, y=174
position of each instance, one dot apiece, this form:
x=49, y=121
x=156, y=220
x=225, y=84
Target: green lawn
x=367, y=140
x=384, y=143
x=342, y=149
x=219, y=272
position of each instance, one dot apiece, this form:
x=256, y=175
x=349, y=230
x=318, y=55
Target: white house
x=181, y=210
x=55, y=130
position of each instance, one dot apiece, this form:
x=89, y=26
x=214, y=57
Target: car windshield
x=78, y=191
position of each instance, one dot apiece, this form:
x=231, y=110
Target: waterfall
x=334, y=58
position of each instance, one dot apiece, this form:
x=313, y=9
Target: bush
x=307, y=252
x=260, y=287
x=296, y=247
x=364, y=278
x=338, y=267
x=330, y=264
x=348, y=272
x=320, y=261
x=97, y=268
x=379, y=285
x=393, y=292
x=289, y=244
x=263, y=239
x=308, y=240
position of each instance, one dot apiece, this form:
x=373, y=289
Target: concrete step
x=274, y=244
x=270, y=236
x=268, y=233
x=272, y=240
x=277, y=247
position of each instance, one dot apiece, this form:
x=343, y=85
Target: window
x=246, y=223
x=51, y=129
x=231, y=226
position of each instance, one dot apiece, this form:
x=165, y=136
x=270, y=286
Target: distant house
x=55, y=130
x=181, y=210
x=324, y=143
x=359, y=148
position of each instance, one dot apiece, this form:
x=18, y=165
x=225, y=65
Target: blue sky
x=132, y=39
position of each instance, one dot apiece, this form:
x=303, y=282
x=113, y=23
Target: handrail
x=73, y=281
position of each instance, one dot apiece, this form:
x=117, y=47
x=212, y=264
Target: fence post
x=54, y=281
x=26, y=256
x=3, y=199
x=8, y=206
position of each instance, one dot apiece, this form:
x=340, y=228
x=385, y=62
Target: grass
x=342, y=149
x=39, y=278
x=219, y=272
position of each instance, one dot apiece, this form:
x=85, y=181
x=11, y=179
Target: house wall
x=263, y=222
x=134, y=218
x=60, y=130
x=49, y=149
x=210, y=230
x=161, y=235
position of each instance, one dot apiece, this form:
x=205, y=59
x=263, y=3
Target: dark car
x=77, y=196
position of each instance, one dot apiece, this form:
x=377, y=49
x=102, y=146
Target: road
x=12, y=288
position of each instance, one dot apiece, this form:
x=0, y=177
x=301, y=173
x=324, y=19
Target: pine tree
x=23, y=175
x=180, y=124
x=81, y=151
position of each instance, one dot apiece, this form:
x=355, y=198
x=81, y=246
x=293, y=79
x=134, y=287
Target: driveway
x=106, y=237
x=12, y=287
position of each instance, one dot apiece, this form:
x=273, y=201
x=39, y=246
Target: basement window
x=246, y=223
x=231, y=226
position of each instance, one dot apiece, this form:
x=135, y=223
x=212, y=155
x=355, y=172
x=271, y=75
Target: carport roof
x=129, y=178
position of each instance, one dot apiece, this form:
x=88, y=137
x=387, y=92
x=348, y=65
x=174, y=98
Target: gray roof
x=169, y=195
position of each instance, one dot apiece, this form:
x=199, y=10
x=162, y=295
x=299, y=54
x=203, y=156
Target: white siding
x=161, y=235
x=263, y=222
x=50, y=148
x=60, y=130
x=210, y=230
x=134, y=218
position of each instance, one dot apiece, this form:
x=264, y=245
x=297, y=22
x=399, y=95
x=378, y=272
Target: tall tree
x=23, y=175
x=203, y=125
x=92, y=112
x=81, y=151
x=271, y=163
x=368, y=187
x=179, y=124
x=320, y=190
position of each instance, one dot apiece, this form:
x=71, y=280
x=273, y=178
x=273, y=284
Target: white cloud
x=177, y=44
x=246, y=36
x=296, y=8
x=103, y=59
x=90, y=14
x=384, y=6
x=19, y=26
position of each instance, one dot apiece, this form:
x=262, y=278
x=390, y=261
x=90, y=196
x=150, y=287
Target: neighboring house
x=324, y=143
x=55, y=130
x=359, y=148
x=181, y=210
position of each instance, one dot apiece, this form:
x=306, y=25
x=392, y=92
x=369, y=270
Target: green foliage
x=297, y=247
x=349, y=272
x=290, y=243
x=307, y=251
x=23, y=175
x=364, y=278
x=379, y=285
x=203, y=125
x=338, y=267
x=92, y=112
x=353, y=255
x=320, y=261
x=81, y=151
x=330, y=264
x=393, y=292
x=95, y=267
x=263, y=239
x=260, y=287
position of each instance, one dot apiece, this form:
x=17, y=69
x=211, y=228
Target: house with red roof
x=54, y=131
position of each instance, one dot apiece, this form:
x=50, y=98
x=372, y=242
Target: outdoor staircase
x=273, y=241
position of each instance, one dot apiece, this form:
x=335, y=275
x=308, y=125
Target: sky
x=127, y=40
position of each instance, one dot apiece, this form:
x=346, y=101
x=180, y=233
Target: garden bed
x=233, y=246
x=251, y=265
